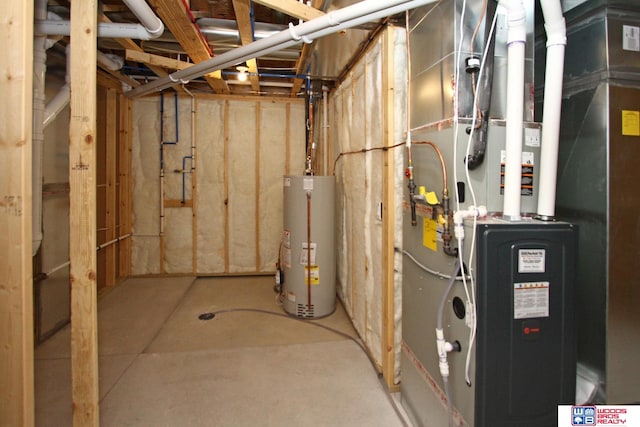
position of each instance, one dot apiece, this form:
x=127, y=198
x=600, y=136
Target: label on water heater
x=530, y=299
x=307, y=184
x=631, y=38
x=531, y=261
x=308, y=254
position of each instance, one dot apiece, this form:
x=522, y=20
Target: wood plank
x=242, y=10
x=124, y=185
x=177, y=203
x=293, y=8
x=82, y=215
x=16, y=281
x=176, y=17
x=160, y=61
x=305, y=56
x=226, y=186
x=111, y=145
x=257, y=187
x=107, y=81
x=121, y=77
x=194, y=188
x=388, y=212
x=287, y=148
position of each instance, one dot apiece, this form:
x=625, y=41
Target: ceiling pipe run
x=332, y=22
x=516, y=37
x=151, y=26
x=556, y=41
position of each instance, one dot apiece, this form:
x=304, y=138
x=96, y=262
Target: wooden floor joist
x=176, y=17
x=16, y=285
x=82, y=215
x=242, y=10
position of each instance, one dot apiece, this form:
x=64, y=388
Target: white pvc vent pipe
x=332, y=22
x=556, y=41
x=150, y=26
x=516, y=37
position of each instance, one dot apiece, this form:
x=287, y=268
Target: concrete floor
x=160, y=365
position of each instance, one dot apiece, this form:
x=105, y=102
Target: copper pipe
x=445, y=191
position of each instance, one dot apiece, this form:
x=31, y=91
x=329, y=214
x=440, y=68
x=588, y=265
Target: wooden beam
x=16, y=281
x=305, y=55
x=111, y=150
x=121, y=77
x=124, y=186
x=82, y=215
x=160, y=61
x=292, y=8
x=388, y=212
x=131, y=45
x=176, y=17
x=242, y=10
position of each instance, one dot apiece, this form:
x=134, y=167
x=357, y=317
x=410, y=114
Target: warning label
x=312, y=274
x=530, y=299
x=526, y=186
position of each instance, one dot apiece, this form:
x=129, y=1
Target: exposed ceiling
x=204, y=28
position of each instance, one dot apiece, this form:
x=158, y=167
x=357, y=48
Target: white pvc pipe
x=337, y=20
x=516, y=37
x=61, y=99
x=105, y=29
x=110, y=61
x=39, y=71
x=556, y=41
x=152, y=24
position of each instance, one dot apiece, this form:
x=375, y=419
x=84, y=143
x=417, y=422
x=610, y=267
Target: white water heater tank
x=308, y=248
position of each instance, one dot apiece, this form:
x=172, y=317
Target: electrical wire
x=335, y=331
x=427, y=269
x=474, y=326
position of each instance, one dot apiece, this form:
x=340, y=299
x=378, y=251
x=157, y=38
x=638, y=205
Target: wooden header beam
x=16, y=281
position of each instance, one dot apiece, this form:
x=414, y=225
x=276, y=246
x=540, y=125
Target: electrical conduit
x=556, y=42
x=516, y=37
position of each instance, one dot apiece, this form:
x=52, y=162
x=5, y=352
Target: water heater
x=308, y=258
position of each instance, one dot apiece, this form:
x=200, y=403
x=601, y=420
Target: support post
x=16, y=294
x=388, y=214
x=82, y=214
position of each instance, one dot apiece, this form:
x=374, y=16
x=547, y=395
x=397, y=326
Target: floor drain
x=206, y=316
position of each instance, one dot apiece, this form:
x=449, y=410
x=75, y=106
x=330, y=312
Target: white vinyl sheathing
x=356, y=124
x=242, y=150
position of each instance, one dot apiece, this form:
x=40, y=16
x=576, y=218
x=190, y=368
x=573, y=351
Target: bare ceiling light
x=242, y=73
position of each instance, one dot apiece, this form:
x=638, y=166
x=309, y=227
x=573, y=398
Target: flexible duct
x=556, y=41
x=516, y=37
x=332, y=22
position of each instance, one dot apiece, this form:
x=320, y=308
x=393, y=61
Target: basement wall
x=227, y=218
x=357, y=122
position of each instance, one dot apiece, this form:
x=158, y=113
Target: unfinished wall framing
x=367, y=113
x=227, y=216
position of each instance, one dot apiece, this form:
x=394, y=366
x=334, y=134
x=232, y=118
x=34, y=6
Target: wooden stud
x=257, y=202
x=245, y=28
x=226, y=186
x=124, y=186
x=287, y=149
x=194, y=190
x=16, y=286
x=111, y=145
x=82, y=215
x=388, y=212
